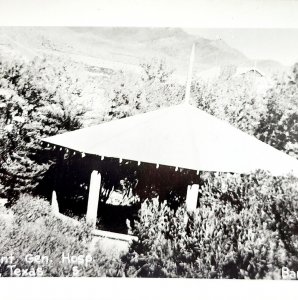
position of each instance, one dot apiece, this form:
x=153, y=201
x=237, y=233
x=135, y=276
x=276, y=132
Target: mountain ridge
x=124, y=46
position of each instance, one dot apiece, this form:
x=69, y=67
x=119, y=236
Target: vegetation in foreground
x=244, y=227
x=30, y=228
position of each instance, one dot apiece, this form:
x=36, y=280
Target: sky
x=276, y=44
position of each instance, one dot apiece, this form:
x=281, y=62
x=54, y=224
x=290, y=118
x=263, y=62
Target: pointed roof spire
x=189, y=75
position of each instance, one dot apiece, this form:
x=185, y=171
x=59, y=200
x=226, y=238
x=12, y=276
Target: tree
x=234, y=100
x=156, y=70
x=136, y=93
x=278, y=126
x=37, y=99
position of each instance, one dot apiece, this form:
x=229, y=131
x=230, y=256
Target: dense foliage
x=30, y=228
x=37, y=99
x=244, y=227
x=234, y=100
x=279, y=125
x=135, y=93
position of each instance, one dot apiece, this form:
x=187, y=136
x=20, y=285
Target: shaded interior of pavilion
x=125, y=184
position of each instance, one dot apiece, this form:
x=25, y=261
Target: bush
x=130, y=94
x=33, y=229
x=37, y=99
x=278, y=126
x=244, y=227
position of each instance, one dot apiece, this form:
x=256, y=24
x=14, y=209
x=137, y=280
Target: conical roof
x=179, y=136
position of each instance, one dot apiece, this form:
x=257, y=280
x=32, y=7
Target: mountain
x=113, y=48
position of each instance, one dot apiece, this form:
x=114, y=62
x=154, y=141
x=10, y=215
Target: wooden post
x=189, y=75
x=54, y=204
x=192, y=197
x=94, y=187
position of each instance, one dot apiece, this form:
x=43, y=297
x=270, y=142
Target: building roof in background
x=246, y=70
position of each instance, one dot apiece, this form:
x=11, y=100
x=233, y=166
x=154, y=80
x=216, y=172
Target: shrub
x=278, y=126
x=35, y=230
x=37, y=99
x=244, y=227
x=130, y=94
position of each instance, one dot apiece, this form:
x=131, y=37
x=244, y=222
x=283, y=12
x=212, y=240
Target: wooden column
x=94, y=187
x=192, y=197
x=54, y=204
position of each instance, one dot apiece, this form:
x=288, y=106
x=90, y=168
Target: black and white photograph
x=149, y=152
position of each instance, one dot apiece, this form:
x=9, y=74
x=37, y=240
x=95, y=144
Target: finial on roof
x=189, y=75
